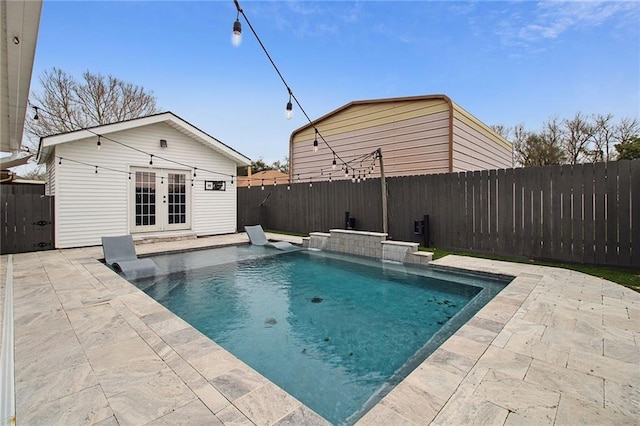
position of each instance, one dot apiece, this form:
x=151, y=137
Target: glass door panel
x=176, y=199
x=145, y=201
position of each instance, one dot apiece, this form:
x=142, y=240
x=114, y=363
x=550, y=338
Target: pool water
x=335, y=332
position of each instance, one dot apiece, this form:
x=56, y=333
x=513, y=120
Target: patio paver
x=555, y=347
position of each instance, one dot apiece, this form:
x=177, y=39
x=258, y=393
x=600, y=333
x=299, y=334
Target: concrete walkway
x=555, y=347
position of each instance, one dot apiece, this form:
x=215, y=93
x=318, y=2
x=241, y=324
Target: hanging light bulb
x=194, y=171
x=151, y=159
x=333, y=165
x=315, y=141
x=231, y=180
x=329, y=178
x=35, y=116
x=262, y=185
x=288, y=112
x=346, y=172
x=236, y=35
x=353, y=178
x=274, y=182
x=288, y=187
x=129, y=176
x=96, y=169
x=310, y=184
x=60, y=162
x=98, y=144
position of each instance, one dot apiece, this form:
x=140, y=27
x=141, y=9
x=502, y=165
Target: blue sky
x=505, y=62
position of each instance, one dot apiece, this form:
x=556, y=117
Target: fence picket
x=582, y=213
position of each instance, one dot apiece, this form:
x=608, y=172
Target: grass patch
x=627, y=277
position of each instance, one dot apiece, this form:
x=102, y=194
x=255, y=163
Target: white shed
x=147, y=176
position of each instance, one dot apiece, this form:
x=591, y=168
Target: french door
x=160, y=200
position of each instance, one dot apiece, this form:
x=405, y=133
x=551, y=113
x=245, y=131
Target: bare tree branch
x=68, y=104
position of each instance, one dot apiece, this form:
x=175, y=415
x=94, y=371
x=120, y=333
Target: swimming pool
x=336, y=332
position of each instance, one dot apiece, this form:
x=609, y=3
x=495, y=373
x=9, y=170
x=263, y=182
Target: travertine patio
x=555, y=347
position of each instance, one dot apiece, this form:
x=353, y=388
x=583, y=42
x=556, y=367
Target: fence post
x=383, y=185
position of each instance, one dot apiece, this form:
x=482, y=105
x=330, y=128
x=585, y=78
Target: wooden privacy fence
x=26, y=222
x=588, y=213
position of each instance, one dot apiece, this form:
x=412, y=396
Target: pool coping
x=555, y=346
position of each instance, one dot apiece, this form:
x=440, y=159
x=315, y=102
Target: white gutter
x=7, y=379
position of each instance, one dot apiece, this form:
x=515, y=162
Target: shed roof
x=169, y=118
x=452, y=105
x=371, y=101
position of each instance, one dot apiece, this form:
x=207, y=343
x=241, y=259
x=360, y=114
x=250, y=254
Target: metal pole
x=383, y=185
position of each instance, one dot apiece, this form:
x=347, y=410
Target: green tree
x=259, y=165
x=540, y=150
x=629, y=150
x=281, y=166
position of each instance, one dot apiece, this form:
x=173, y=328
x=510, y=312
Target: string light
x=274, y=182
x=315, y=142
x=288, y=112
x=262, y=185
x=60, y=162
x=151, y=160
x=333, y=165
x=346, y=172
x=194, y=171
x=101, y=137
x=98, y=143
x=96, y=169
x=35, y=116
x=236, y=35
x=289, y=107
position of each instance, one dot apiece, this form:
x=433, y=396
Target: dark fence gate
x=26, y=222
x=587, y=213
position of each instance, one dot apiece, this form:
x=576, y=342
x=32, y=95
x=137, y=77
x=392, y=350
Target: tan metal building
x=417, y=135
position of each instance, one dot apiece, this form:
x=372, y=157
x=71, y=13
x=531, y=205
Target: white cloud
x=527, y=24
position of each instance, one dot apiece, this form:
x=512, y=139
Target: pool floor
x=346, y=329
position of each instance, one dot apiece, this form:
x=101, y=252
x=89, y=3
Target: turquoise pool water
x=335, y=332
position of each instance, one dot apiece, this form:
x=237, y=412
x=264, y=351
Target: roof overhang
x=19, y=23
x=49, y=142
x=8, y=163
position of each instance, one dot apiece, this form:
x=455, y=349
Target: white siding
x=91, y=205
x=50, y=186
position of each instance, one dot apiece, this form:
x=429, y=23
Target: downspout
x=290, y=171
x=450, y=103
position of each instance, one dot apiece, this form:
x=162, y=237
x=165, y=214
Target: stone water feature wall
x=369, y=244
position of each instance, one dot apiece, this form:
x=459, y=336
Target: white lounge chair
x=120, y=252
x=258, y=238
